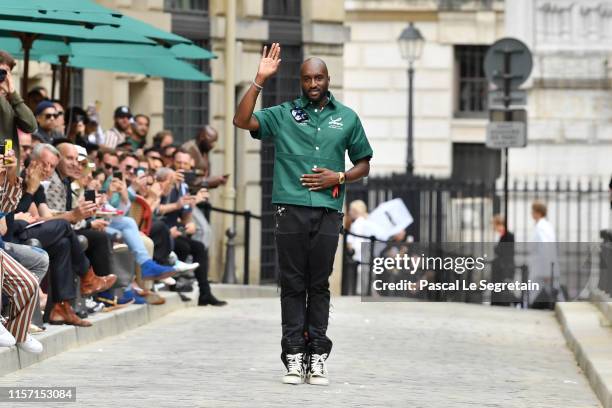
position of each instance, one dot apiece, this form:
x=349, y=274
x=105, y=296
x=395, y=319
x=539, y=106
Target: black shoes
x=210, y=300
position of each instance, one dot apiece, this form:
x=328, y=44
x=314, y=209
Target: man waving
x=311, y=136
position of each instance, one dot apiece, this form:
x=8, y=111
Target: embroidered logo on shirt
x=299, y=115
x=335, y=123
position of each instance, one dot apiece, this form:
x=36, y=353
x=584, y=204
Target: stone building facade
x=449, y=100
x=569, y=97
x=570, y=91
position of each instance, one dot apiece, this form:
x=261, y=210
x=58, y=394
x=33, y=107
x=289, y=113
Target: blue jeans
x=34, y=259
x=131, y=236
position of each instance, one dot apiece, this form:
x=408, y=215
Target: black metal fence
x=605, y=262
x=446, y=210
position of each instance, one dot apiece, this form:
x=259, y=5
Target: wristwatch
x=341, y=178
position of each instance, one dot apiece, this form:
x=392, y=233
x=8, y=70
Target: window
x=475, y=162
x=472, y=85
x=76, y=87
x=282, y=9
x=186, y=103
x=198, y=6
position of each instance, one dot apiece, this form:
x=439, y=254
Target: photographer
x=183, y=164
x=176, y=207
x=14, y=113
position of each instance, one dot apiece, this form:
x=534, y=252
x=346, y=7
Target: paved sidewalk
x=385, y=355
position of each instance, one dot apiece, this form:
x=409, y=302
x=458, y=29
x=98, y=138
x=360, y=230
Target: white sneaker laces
x=317, y=364
x=294, y=363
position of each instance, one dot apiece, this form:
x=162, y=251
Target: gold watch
x=341, y=178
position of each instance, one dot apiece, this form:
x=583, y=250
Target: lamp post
x=411, y=46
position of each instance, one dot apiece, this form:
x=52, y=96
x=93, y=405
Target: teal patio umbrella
x=88, y=33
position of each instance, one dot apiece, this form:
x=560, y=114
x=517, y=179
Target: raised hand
x=269, y=63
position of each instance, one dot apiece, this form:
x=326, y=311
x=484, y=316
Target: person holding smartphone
x=14, y=113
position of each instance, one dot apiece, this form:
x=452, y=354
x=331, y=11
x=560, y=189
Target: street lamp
x=411, y=46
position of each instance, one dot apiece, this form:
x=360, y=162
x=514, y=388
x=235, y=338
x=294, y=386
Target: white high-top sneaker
x=317, y=371
x=295, y=369
x=6, y=338
x=31, y=345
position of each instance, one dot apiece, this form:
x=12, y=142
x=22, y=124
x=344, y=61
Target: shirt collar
x=304, y=101
x=65, y=180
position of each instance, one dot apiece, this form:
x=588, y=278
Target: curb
x=57, y=339
x=603, y=302
x=589, y=336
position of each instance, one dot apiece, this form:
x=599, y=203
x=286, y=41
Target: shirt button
x=317, y=147
x=316, y=110
x=318, y=129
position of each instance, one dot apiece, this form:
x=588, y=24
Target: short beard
x=315, y=101
x=203, y=146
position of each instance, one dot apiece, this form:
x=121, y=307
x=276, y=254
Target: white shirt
x=543, y=252
x=543, y=232
x=361, y=226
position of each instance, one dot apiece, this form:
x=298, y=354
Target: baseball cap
x=82, y=152
x=42, y=106
x=123, y=111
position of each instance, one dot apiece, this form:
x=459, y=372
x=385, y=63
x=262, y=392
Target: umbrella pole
x=26, y=44
x=53, y=80
x=63, y=79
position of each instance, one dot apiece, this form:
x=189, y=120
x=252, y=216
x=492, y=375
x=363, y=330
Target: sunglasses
x=3, y=74
x=52, y=115
x=110, y=166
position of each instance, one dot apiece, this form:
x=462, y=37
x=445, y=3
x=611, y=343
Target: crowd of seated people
x=92, y=220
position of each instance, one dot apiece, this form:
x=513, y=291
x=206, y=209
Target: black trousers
x=183, y=246
x=66, y=259
x=162, y=242
x=98, y=251
x=306, y=243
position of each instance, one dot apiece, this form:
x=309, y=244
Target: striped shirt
x=10, y=194
x=113, y=137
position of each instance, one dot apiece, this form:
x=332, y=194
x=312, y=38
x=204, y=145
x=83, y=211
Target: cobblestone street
x=385, y=355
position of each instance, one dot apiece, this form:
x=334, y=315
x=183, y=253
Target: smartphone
x=90, y=195
x=118, y=175
x=5, y=147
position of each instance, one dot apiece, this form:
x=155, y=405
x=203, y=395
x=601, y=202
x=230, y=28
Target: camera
x=3, y=74
x=191, y=181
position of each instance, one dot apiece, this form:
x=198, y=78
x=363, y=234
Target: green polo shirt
x=321, y=140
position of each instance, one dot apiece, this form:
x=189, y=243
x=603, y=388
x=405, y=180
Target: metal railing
x=247, y=240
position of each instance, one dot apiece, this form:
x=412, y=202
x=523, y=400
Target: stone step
x=589, y=336
x=604, y=302
x=57, y=339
